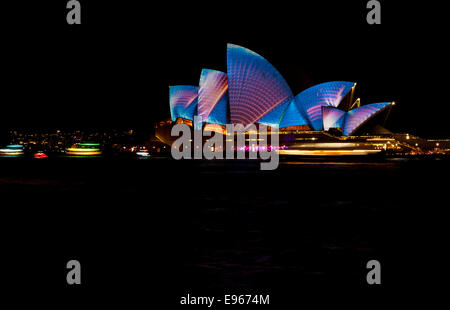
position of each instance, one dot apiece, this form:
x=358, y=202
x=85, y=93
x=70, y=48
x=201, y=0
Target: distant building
x=57, y=140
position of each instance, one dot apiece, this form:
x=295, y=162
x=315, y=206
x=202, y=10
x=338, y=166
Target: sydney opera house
x=252, y=91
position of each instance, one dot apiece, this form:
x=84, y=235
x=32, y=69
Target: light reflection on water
x=335, y=163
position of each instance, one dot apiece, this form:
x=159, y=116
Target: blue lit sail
x=292, y=116
x=273, y=118
x=183, y=101
x=314, y=98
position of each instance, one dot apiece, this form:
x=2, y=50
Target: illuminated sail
x=355, y=118
x=273, y=118
x=314, y=98
x=183, y=101
x=213, y=97
x=332, y=117
x=255, y=86
x=292, y=116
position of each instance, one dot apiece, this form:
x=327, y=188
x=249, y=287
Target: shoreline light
x=84, y=149
x=12, y=150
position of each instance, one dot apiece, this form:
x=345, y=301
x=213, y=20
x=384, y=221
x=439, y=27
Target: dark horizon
x=114, y=70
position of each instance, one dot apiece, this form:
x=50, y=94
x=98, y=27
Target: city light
x=40, y=155
x=12, y=150
x=84, y=150
x=143, y=153
x=327, y=152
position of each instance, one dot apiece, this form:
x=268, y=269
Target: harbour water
x=161, y=228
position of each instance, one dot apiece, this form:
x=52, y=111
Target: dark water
x=153, y=230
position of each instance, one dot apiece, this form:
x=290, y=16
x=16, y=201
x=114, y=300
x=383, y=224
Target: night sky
x=114, y=70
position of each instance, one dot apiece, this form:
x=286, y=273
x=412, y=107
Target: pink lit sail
x=213, y=97
x=332, y=117
x=357, y=117
x=255, y=86
x=314, y=98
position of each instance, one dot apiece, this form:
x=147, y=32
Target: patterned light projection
x=213, y=97
x=292, y=116
x=357, y=117
x=332, y=117
x=273, y=118
x=314, y=98
x=183, y=101
x=253, y=91
x=254, y=85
